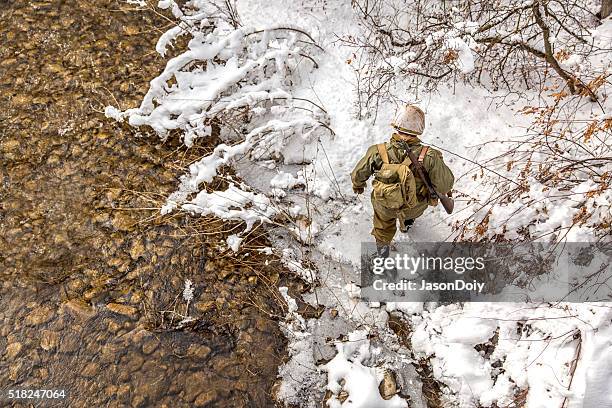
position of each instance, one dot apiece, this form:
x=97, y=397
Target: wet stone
x=79, y=309
x=15, y=370
x=113, y=326
x=90, y=370
x=149, y=346
x=124, y=310
x=199, y=351
x=137, y=250
x=134, y=362
x=69, y=343
x=39, y=316
x=13, y=350
x=205, y=398
x=194, y=385
x=139, y=401
x=205, y=306
x=123, y=390
x=49, y=340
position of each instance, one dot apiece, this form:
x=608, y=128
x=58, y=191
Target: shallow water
x=91, y=275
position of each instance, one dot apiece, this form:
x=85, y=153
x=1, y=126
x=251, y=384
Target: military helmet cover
x=410, y=120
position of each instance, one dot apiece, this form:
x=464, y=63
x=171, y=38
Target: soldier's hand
x=358, y=190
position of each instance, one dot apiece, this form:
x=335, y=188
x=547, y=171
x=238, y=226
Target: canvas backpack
x=394, y=184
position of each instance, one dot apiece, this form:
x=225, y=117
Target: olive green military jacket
x=439, y=173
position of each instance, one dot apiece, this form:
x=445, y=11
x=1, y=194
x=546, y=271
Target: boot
x=405, y=225
x=382, y=249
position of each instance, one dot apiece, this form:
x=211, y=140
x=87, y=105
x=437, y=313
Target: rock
x=328, y=327
x=137, y=335
x=150, y=346
x=245, y=337
x=131, y=30
x=134, y=363
x=113, y=326
x=70, y=343
x=79, y=309
x=410, y=385
x=101, y=217
x=205, y=398
x=9, y=145
x=20, y=100
x=204, y=307
x=124, y=310
x=225, y=272
x=13, y=350
x=103, y=135
x=49, y=340
x=198, y=351
x=123, y=222
x=15, y=370
x=136, y=298
x=210, y=267
x=110, y=390
x=92, y=293
x=90, y=370
x=123, y=390
x=109, y=353
x=193, y=385
x=137, y=250
x=39, y=316
x=138, y=401
x=153, y=390
x=42, y=373
x=76, y=285
x=388, y=386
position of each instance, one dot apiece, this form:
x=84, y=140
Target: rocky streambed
x=91, y=275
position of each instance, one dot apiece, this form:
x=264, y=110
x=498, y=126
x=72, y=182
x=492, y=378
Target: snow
x=233, y=241
x=293, y=157
x=231, y=204
x=346, y=371
x=188, y=291
x=465, y=57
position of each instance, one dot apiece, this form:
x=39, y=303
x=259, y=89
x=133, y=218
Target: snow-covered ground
x=557, y=355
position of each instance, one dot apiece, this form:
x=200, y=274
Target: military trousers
x=385, y=227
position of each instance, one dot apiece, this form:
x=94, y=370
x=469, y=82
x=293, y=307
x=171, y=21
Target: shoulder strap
x=382, y=150
x=424, y=150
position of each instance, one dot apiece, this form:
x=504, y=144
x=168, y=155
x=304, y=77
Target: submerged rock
x=121, y=309
x=39, y=316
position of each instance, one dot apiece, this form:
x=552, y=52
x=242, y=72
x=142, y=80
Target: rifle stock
x=445, y=200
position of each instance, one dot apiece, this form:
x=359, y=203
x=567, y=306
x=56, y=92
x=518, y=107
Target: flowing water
x=91, y=275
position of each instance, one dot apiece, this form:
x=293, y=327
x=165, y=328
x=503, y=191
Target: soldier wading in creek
x=407, y=178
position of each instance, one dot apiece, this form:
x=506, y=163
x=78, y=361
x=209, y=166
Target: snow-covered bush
x=234, y=80
x=514, y=45
x=557, y=179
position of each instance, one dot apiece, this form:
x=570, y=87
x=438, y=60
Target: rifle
x=446, y=201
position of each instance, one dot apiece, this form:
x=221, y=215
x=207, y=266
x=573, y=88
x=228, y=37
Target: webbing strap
x=424, y=150
x=382, y=150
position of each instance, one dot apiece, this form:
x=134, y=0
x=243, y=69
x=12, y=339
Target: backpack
x=394, y=184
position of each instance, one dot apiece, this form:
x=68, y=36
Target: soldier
x=398, y=192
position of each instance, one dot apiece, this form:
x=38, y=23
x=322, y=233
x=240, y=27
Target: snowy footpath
x=300, y=140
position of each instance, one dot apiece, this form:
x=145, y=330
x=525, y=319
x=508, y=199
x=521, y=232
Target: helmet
x=409, y=120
